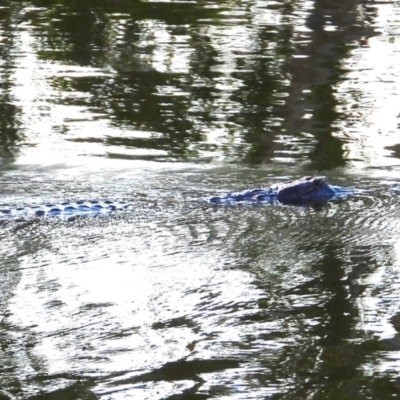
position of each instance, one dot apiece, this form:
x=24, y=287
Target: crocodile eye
x=308, y=178
x=319, y=181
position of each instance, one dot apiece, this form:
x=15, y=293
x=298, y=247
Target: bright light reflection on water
x=93, y=300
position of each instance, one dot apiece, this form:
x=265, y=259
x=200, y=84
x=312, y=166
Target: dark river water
x=161, y=103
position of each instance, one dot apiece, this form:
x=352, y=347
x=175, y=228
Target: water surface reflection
x=186, y=299
x=176, y=81
x=161, y=103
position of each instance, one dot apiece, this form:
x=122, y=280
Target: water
x=163, y=103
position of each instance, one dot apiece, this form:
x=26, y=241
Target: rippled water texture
x=162, y=104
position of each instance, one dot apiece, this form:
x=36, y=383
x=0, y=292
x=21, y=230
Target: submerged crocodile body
x=301, y=191
x=67, y=208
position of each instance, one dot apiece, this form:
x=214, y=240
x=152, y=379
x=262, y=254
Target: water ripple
x=188, y=282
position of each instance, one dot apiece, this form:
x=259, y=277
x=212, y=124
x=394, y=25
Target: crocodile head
x=305, y=189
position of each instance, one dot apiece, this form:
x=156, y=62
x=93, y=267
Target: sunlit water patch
x=94, y=295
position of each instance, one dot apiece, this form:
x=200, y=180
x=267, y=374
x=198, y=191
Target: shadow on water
x=327, y=354
x=10, y=135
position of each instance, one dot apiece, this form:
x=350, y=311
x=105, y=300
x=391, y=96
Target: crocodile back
x=67, y=208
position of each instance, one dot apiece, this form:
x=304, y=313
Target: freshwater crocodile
x=300, y=191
